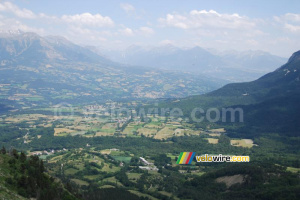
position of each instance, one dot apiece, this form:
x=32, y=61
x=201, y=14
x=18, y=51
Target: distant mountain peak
x=58, y=40
x=168, y=45
x=198, y=49
x=10, y=33
x=29, y=47
x=295, y=57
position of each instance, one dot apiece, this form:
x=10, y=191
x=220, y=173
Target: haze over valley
x=232, y=66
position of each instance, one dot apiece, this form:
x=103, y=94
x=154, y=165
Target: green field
x=122, y=159
x=80, y=182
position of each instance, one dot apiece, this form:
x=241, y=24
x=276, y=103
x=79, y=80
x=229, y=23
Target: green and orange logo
x=185, y=158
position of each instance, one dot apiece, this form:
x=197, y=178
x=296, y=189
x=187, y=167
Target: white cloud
x=292, y=28
x=14, y=24
x=80, y=28
x=166, y=42
x=288, y=17
x=126, y=32
x=80, y=35
x=289, y=21
x=207, y=19
x=142, y=31
x=22, y=13
x=127, y=7
x=252, y=42
x=146, y=30
x=177, y=21
x=293, y=17
x=87, y=19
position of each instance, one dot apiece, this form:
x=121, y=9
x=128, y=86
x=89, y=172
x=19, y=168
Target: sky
x=267, y=25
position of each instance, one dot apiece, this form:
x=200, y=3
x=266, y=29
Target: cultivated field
x=247, y=143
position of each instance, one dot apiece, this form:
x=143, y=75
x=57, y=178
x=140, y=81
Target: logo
x=185, y=158
x=222, y=158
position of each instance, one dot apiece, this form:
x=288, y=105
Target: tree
x=42, y=168
x=22, y=157
x=3, y=150
x=15, y=154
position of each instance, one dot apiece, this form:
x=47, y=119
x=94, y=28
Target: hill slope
x=270, y=103
x=24, y=178
x=280, y=82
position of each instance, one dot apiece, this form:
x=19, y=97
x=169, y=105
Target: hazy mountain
x=283, y=80
x=167, y=57
x=22, y=47
x=230, y=65
x=252, y=60
x=53, y=69
x=270, y=103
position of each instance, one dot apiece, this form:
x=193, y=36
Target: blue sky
x=272, y=26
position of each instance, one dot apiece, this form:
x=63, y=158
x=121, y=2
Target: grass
x=80, y=166
x=78, y=133
x=293, y=169
x=106, y=186
x=128, y=130
x=43, y=157
x=111, y=130
x=99, y=134
x=132, y=176
x=218, y=130
x=199, y=173
x=112, y=180
x=167, y=87
x=164, y=133
x=56, y=158
x=105, y=151
x=80, y=182
x=212, y=140
x=37, y=98
x=172, y=156
x=109, y=126
x=142, y=194
x=246, y=143
x=132, y=127
x=122, y=159
x=214, y=134
x=154, y=125
x=25, y=117
x=116, y=153
x=107, y=169
x=71, y=171
x=147, y=131
x=92, y=177
x=59, y=131
x=168, y=194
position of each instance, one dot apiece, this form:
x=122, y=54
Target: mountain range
x=270, y=103
x=38, y=70
x=233, y=66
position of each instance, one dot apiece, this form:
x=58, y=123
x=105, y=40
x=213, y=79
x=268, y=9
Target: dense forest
x=26, y=176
